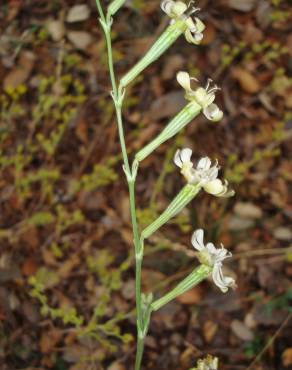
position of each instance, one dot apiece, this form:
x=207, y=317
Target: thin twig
x=270, y=342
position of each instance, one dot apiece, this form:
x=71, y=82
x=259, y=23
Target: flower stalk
x=194, y=278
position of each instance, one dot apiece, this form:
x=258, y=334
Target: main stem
x=117, y=97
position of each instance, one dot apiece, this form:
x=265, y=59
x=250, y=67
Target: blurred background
x=66, y=263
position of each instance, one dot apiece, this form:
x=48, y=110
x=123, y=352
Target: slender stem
x=117, y=95
x=123, y=144
x=138, y=254
x=111, y=66
x=100, y=11
x=139, y=353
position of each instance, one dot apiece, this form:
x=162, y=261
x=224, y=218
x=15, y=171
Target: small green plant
x=97, y=326
x=46, y=200
x=101, y=175
x=202, y=176
x=11, y=103
x=267, y=50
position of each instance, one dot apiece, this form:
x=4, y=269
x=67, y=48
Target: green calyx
x=115, y=6
x=168, y=37
x=182, y=119
x=185, y=196
x=193, y=279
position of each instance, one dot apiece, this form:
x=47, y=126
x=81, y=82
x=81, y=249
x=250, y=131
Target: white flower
x=213, y=257
x=209, y=363
x=204, y=175
x=179, y=10
x=203, y=96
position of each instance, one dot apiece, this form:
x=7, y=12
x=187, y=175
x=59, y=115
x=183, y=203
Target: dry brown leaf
x=29, y=267
x=78, y=13
x=49, y=339
x=116, y=366
x=146, y=135
x=80, y=39
x=241, y=330
x=151, y=278
x=287, y=357
x=246, y=80
x=243, y=6
x=21, y=72
x=56, y=29
x=248, y=210
x=209, y=330
x=209, y=34
x=167, y=106
x=81, y=130
x=68, y=266
x=173, y=64
x=30, y=236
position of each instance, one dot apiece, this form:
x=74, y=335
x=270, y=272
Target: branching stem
x=118, y=95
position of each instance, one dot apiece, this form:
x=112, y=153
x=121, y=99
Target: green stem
x=100, y=11
x=117, y=95
x=139, y=353
x=138, y=253
x=122, y=139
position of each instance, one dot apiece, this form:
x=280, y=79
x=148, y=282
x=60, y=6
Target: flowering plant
x=203, y=175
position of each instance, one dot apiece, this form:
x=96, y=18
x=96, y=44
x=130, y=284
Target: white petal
x=225, y=193
x=212, y=249
x=193, y=37
x=183, y=78
x=198, y=240
x=167, y=6
x=213, y=113
x=199, y=25
x=222, y=254
x=177, y=158
x=190, y=175
x=186, y=155
x=217, y=277
x=214, y=187
x=179, y=8
x=213, y=173
x=204, y=164
x=191, y=25
x=223, y=282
